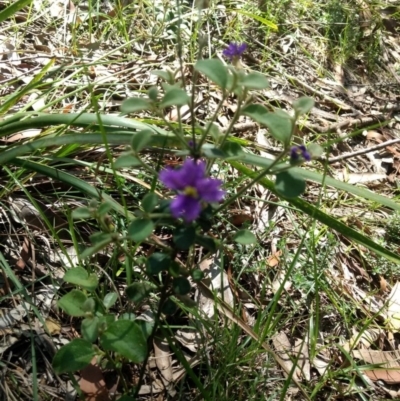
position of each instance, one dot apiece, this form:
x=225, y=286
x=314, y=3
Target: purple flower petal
x=172, y=179
x=193, y=187
x=192, y=171
x=209, y=190
x=186, y=207
x=299, y=151
x=235, y=50
x=294, y=154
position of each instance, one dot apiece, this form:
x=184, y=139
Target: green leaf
x=104, y=208
x=197, y=275
x=99, y=237
x=90, y=328
x=146, y=326
x=303, y=105
x=289, y=184
x=254, y=16
x=137, y=292
x=140, y=229
x=207, y=242
x=72, y=303
x=175, y=269
x=167, y=76
x=82, y=213
x=184, y=237
x=105, y=321
x=245, y=237
x=127, y=160
x=152, y=93
x=141, y=139
x=214, y=70
x=181, y=285
x=315, y=150
x=232, y=149
x=279, y=123
x=79, y=276
x=97, y=247
x=74, y=356
x=149, y=202
x=134, y=104
x=89, y=305
x=175, y=97
x=126, y=338
x=254, y=80
x=157, y=262
x=110, y=299
x=169, y=307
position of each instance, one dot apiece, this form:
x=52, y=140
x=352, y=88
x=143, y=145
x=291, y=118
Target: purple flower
x=193, y=188
x=299, y=151
x=234, y=50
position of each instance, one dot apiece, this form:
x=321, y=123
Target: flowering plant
x=188, y=210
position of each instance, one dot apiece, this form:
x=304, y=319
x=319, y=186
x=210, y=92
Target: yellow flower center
x=191, y=191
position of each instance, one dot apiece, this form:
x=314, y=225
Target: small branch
x=360, y=152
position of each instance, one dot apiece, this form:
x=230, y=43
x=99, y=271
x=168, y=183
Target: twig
x=354, y=122
x=360, y=152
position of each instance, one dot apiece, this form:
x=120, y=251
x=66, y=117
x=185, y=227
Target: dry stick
x=361, y=152
x=354, y=122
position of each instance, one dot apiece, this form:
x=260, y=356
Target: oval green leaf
x=303, y=105
x=141, y=139
x=255, y=80
x=79, y=276
x=90, y=328
x=289, y=185
x=175, y=97
x=181, y=285
x=214, y=70
x=245, y=237
x=149, y=202
x=140, y=229
x=126, y=338
x=74, y=356
x=72, y=303
x=134, y=104
x=127, y=160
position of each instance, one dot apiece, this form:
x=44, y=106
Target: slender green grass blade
x=319, y=178
x=74, y=182
x=258, y=18
x=75, y=119
x=72, y=139
x=13, y=8
x=36, y=81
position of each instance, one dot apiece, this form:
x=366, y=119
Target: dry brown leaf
x=389, y=369
x=52, y=326
x=25, y=254
x=274, y=259
x=92, y=383
x=284, y=351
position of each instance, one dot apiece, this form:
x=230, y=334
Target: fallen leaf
x=92, y=383
x=389, y=369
